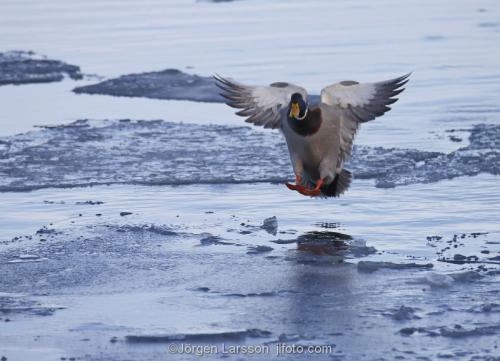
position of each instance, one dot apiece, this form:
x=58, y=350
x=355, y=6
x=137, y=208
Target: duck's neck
x=309, y=124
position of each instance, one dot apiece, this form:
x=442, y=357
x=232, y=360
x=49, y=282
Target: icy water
x=129, y=224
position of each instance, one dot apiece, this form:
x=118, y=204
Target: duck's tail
x=339, y=185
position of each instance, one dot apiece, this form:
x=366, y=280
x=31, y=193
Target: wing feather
x=365, y=101
x=262, y=105
x=356, y=103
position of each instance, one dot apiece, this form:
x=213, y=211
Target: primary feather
x=262, y=105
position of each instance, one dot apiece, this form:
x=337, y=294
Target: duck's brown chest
x=307, y=126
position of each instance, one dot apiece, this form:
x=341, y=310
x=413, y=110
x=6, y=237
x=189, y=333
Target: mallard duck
x=319, y=137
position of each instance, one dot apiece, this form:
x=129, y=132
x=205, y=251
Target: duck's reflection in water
x=333, y=244
x=323, y=243
x=327, y=290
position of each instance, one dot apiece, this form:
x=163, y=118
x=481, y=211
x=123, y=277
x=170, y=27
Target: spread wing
x=357, y=103
x=262, y=105
x=363, y=102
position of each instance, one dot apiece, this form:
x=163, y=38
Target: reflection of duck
x=323, y=243
x=319, y=137
x=329, y=243
x=325, y=302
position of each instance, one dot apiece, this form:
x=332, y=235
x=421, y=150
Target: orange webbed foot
x=297, y=186
x=314, y=192
x=311, y=192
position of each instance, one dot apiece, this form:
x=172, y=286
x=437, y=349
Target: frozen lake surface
x=128, y=224
x=119, y=263
x=87, y=152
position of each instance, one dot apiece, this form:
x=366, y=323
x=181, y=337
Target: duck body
x=310, y=144
x=314, y=147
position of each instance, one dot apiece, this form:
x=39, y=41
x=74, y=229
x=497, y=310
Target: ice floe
x=25, y=67
x=85, y=153
x=229, y=335
x=167, y=84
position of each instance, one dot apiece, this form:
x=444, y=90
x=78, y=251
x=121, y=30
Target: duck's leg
x=316, y=191
x=297, y=186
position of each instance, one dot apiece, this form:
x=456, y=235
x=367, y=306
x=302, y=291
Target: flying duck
x=319, y=137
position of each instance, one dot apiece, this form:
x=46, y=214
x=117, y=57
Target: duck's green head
x=298, y=107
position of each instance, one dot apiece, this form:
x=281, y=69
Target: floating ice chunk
x=25, y=258
x=435, y=279
x=259, y=249
x=28, y=256
x=214, y=240
x=372, y=266
x=21, y=67
x=166, y=84
x=404, y=313
x=466, y=276
x=200, y=337
x=98, y=326
x=270, y=225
